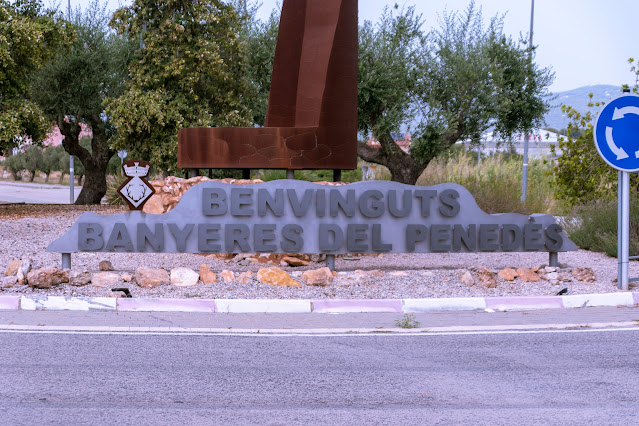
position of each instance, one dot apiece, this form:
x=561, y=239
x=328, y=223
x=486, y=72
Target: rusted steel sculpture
x=311, y=122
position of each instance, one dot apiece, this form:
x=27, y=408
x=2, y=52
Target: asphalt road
x=568, y=377
x=34, y=193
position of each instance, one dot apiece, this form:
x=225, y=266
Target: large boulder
x=79, y=278
x=47, y=277
x=206, y=275
x=319, y=277
x=184, y=277
x=151, y=278
x=276, y=277
x=105, y=279
x=12, y=269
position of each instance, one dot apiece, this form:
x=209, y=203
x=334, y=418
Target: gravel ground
x=26, y=230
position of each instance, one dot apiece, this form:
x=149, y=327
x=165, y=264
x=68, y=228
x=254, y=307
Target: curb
x=320, y=306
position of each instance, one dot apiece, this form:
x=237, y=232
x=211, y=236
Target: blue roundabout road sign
x=616, y=133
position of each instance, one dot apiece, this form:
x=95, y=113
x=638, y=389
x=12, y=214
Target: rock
x=12, y=269
x=10, y=281
x=584, y=274
x=551, y=268
x=508, y=274
x=105, y=279
x=105, y=265
x=277, y=277
x=206, y=275
x=221, y=256
x=79, y=278
x=554, y=282
x=24, y=269
x=486, y=277
x=552, y=276
x=127, y=278
x=117, y=294
x=376, y=273
x=466, y=278
x=320, y=277
x=315, y=258
x=536, y=268
x=527, y=275
x=564, y=276
x=184, y=277
x=245, y=277
x=47, y=277
x=293, y=261
x=398, y=274
x=227, y=276
x=151, y=278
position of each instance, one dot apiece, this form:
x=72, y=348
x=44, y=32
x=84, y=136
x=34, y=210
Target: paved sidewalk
x=476, y=320
x=35, y=193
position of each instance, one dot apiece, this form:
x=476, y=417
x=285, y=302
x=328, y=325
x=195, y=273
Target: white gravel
x=406, y=275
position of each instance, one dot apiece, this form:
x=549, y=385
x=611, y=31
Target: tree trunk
x=403, y=167
x=46, y=178
x=94, y=186
x=33, y=174
x=61, y=180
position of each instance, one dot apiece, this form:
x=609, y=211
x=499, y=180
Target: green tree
x=188, y=73
x=15, y=165
x=30, y=36
x=459, y=80
x=33, y=160
x=71, y=92
x=50, y=161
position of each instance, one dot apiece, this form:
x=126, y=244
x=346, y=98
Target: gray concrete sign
x=292, y=216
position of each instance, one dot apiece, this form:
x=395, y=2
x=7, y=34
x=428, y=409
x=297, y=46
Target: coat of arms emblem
x=136, y=190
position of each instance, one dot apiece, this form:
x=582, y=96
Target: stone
x=551, y=268
x=221, y=256
x=245, y=277
x=105, y=265
x=206, y=275
x=10, y=281
x=23, y=271
x=79, y=278
x=552, y=276
x=151, y=278
x=227, y=276
x=105, y=279
x=564, y=276
x=319, y=277
x=508, y=274
x=398, y=274
x=118, y=294
x=554, y=282
x=277, y=277
x=293, y=261
x=376, y=273
x=126, y=277
x=527, y=275
x=184, y=277
x=12, y=269
x=584, y=274
x=46, y=278
x=466, y=278
x=486, y=277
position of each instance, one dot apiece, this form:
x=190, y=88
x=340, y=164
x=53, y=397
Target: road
x=34, y=193
x=573, y=376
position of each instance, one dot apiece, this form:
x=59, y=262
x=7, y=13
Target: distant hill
x=578, y=98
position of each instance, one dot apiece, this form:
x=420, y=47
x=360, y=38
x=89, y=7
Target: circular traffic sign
x=122, y=154
x=616, y=133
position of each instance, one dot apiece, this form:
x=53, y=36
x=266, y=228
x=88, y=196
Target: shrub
x=593, y=226
x=496, y=181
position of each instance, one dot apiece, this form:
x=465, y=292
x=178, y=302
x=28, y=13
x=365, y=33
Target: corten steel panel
x=311, y=122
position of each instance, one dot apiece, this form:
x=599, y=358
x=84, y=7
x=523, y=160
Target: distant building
x=539, y=143
x=403, y=141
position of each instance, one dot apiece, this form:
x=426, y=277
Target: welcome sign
x=292, y=216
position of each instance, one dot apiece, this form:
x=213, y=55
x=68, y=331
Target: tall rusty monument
x=311, y=122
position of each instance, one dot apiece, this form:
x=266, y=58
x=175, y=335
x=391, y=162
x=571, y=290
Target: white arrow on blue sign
x=616, y=133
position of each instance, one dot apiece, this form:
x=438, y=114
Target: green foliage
x=71, y=92
x=593, y=226
x=15, y=165
x=496, y=181
x=30, y=36
x=407, y=321
x=310, y=175
x=33, y=160
x=188, y=73
x=459, y=80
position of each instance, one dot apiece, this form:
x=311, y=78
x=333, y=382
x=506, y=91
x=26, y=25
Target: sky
x=585, y=42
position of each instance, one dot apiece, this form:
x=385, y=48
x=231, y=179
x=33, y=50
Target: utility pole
x=524, y=174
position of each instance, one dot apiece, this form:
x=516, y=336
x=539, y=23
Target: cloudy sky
x=584, y=41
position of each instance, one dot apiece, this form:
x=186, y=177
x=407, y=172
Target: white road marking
x=325, y=332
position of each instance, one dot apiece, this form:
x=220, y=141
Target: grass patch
x=495, y=181
x=407, y=321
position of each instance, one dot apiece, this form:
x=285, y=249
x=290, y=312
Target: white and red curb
x=321, y=306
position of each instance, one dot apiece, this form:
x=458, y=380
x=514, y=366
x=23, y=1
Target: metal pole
x=290, y=174
x=71, y=177
x=66, y=260
x=625, y=231
x=524, y=174
x=619, y=222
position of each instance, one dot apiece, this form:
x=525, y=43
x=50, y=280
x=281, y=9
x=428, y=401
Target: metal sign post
x=615, y=134
x=71, y=173
x=122, y=154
